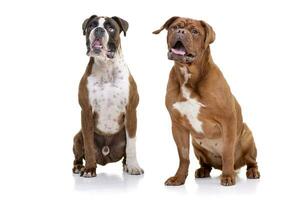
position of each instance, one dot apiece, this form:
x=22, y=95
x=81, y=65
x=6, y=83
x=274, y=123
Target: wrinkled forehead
x=188, y=22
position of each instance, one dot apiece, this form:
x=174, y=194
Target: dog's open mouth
x=178, y=49
x=97, y=44
x=179, y=53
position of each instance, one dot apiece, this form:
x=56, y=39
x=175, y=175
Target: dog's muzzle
x=178, y=52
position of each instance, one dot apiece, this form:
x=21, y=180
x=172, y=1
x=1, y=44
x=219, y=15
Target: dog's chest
x=191, y=107
x=108, y=88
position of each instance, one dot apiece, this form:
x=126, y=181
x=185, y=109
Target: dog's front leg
x=87, y=123
x=131, y=165
x=229, y=140
x=182, y=139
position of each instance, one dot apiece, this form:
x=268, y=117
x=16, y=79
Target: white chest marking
x=191, y=107
x=108, y=87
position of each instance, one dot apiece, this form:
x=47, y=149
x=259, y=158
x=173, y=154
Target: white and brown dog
x=108, y=98
x=201, y=105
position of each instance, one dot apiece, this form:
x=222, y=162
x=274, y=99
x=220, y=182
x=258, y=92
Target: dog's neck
x=197, y=71
x=104, y=60
x=102, y=64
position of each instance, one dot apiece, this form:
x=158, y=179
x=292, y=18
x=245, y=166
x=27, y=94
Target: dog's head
x=187, y=38
x=103, y=35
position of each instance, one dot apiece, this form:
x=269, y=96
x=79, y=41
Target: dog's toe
x=133, y=169
x=202, y=173
x=175, y=181
x=88, y=173
x=77, y=169
x=227, y=180
x=253, y=173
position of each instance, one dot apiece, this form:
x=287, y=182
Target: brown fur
x=221, y=117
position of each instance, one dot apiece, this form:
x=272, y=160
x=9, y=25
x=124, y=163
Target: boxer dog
x=202, y=106
x=108, y=98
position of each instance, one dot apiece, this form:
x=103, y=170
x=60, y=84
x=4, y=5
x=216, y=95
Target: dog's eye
x=93, y=24
x=195, y=31
x=174, y=27
x=110, y=29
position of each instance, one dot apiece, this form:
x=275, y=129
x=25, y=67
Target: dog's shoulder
x=133, y=93
x=83, y=91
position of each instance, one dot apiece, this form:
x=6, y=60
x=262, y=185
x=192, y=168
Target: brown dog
x=108, y=98
x=201, y=104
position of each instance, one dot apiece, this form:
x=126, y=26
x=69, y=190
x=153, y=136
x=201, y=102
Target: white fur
x=132, y=166
x=101, y=21
x=108, y=87
x=191, y=107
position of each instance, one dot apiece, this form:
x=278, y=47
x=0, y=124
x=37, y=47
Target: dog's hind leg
x=205, y=168
x=78, y=151
x=250, y=154
x=252, y=168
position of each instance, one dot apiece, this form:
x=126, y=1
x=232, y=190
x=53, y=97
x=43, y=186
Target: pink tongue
x=97, y=43
x=178, y=51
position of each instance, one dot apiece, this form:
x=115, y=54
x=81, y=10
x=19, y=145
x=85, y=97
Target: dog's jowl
x=108, y=98
x=202, y=106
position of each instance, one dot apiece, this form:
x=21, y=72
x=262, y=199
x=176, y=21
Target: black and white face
x=103, y=35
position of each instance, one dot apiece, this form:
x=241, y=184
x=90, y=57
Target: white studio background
x=42, y=58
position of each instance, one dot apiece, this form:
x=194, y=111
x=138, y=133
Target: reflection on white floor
x=242, y=186
x=105, y=181
x=112, y=183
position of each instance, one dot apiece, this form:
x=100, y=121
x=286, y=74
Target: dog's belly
x=108, y=100
x=110, y=148
x=214, y=146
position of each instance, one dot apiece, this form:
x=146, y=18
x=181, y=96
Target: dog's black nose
x=181, y=31
x=99, y=32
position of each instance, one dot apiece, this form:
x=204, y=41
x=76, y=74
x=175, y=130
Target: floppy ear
x=122, y=23
x=209, y=33
x=85, y=23
x=166, y=25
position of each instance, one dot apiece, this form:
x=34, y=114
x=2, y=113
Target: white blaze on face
x=191, y=107
x=105, y=39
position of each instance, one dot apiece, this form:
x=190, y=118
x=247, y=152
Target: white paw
x=76, y=171
x=88, y=175
x=133, y=169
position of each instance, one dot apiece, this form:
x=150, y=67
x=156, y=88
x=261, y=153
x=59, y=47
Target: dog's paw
x=227, y=180
x=78, y=168
x=253, y=173
x=202, y=172
x=88, y=172
x=175, y=181
x=133, y=169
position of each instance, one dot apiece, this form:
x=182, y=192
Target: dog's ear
x=166, y=25
x=209, y=33
x=85, y=23
x=122, y=23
